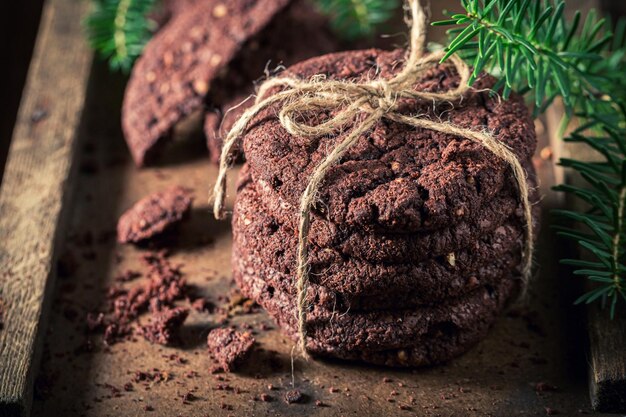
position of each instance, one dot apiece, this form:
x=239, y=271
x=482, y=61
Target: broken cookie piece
x=154, y=214
x=229, y=347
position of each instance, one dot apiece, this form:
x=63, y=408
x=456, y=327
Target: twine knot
x=375, y=100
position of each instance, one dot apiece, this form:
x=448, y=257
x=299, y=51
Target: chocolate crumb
x=164, y=285
x=189, y=397
x=293, y=396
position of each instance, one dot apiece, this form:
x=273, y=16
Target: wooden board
x=34, y=193
x=607, y=368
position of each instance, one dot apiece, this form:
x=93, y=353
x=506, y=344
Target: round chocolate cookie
x=378, y=245
x=361, y=334
x=439, y=276
x=419, y=295
x=395, y=177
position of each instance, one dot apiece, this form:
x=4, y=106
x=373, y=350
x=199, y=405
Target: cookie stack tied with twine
x=386, y=211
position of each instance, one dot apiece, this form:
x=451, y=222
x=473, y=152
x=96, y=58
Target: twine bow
x=375, y=100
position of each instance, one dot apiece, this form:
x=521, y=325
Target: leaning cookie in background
x=208, y=55
x=171, y=78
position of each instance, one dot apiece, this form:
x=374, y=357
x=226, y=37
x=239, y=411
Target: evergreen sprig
x=353, y=19
x=536, y=51
x=119, y=29
x=603, y=235
x=532, y=47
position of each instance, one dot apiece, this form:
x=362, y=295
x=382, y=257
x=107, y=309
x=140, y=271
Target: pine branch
x=352, y=19
x=532, y=47
x=534, y=50
x=119, y=29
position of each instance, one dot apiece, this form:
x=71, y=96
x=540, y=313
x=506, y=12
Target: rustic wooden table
x=542, y=342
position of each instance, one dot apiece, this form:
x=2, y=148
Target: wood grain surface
x=607, y=368
x=34, y=193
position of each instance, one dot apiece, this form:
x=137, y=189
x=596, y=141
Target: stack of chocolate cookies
x=417, y=236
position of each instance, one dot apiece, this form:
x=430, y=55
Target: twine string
x=375, y=100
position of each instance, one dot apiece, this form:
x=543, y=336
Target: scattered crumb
x=293, y=396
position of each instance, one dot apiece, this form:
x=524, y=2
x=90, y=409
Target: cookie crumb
x=293, y=396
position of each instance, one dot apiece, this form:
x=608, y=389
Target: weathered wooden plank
x=34, y=193
x=607, y=367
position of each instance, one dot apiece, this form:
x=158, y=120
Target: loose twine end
x=376, y=100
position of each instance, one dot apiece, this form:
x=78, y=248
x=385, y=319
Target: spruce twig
x=119, y=29
x=534, y=50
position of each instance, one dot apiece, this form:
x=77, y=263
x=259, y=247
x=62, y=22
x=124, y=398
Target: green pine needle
x=352, y=19
x=119, y=29
x=534, y=50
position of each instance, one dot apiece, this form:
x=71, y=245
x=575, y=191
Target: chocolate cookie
x=424, y=293
x=276, y=245
x=395, y=177
x=344, y=333
x=174, y=73
x=299, y=32
x=378, y=245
